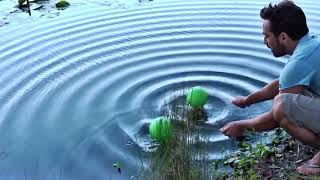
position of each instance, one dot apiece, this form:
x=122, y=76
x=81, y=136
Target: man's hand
x=240, y=102
x=233, y=129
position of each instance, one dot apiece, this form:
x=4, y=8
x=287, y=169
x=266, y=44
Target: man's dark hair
x=286, y=17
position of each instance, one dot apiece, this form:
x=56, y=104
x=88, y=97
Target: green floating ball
x=160, y=129
x=197, y=97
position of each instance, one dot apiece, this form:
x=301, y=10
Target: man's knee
x=278, y=108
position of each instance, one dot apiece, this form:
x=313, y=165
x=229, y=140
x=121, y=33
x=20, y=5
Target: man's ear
x=284, y=36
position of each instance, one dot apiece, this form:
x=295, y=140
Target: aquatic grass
x=62, y=4
x=185, y=156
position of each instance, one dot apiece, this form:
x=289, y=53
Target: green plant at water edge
x=62, y=4
x=21, y=2
x=245, y=160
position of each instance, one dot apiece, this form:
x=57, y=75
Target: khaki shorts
x=303, y=109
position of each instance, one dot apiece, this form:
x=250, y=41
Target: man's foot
x=312, y=167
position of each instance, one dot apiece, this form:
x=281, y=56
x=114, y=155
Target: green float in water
x=160, y=129
x=197, y=97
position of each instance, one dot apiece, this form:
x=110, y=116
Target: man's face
x=273, y=41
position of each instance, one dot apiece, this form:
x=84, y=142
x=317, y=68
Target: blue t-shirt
x=303, y=67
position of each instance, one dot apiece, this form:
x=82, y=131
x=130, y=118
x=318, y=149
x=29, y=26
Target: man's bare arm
x=266, y=93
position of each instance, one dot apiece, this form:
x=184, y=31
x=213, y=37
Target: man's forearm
x=266, y=93
x=260, y=123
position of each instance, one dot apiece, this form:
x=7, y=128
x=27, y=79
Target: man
x=296, y=104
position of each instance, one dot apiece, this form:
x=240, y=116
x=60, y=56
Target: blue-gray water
x=79, y=90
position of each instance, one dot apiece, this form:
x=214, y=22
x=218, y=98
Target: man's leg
x=302, y=134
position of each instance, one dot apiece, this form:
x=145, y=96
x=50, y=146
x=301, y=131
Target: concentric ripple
x=77, y=91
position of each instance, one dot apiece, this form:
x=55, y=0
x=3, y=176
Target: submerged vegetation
x=25, y=4
x=62, y=4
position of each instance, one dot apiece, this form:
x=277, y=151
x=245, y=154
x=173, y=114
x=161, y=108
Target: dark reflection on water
x=12, y=13
x=78, y=91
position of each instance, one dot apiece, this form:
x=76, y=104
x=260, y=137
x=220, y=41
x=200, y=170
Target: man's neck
x=292, y=46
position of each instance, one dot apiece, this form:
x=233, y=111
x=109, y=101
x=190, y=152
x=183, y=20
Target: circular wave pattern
x=78, y=91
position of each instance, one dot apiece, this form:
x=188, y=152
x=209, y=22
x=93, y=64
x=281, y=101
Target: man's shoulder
x=311, y=40
x=308, y=48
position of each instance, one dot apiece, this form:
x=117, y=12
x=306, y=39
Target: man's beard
x=279, y=51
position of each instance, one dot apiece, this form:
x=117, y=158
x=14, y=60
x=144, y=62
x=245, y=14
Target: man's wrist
x=247, y=101
x=244, y=124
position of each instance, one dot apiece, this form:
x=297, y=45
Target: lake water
x=79, y=87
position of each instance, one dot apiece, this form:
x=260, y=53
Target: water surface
x=79, y=90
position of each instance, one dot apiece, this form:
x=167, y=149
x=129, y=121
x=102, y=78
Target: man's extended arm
x=266, y=93
x=262, y=122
